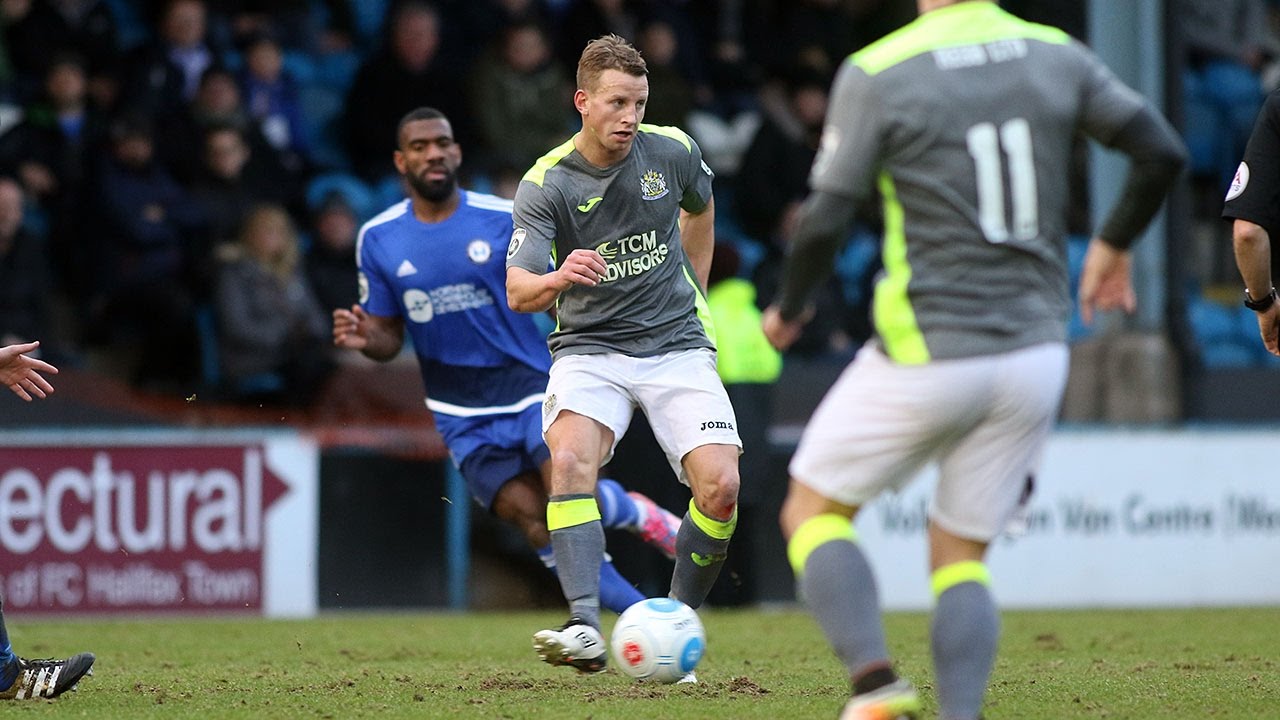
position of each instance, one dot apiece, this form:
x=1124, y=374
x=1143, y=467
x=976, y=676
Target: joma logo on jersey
x=716, y=425
x=652, y=185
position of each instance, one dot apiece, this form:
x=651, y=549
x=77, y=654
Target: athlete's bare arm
x=21, y=373
x=698, y=236
x=1252, y=245
x=530, y=292
x=378, y=338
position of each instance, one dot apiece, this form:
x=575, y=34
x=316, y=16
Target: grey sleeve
x=1118, y=117
x=1156, y=156
x=1106, y=103
x=533, y=218
x=848, y=156
x=697, y=189
x=825, y=221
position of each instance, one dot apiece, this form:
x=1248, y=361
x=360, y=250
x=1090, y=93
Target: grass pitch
x=1118, y=665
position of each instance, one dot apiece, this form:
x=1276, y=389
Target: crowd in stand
x=181, y=181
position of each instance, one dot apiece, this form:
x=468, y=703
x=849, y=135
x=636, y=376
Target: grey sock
x=964, y=634
x=693, y=578
x=840, y=590
x=579, y=551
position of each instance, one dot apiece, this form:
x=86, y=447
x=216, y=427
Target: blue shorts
x=490, y=450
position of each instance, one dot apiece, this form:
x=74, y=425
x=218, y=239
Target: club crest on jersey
x=478, y=250
x=652, y=185
x=517, y=239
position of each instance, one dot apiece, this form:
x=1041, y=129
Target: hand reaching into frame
x=21, y=372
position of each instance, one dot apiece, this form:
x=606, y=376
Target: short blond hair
x=608, y=52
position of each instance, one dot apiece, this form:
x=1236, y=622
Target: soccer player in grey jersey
x=625, y=213
x=963, y=122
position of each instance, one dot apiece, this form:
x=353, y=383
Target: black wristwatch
x=1262, y=303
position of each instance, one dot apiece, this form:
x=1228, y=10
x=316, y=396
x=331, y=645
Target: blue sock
x=617, y=509
x=547, y=556
x=8, y=661
x=8, y=669
x=616, y=593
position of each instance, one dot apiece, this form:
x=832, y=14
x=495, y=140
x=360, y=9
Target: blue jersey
x=447, y=280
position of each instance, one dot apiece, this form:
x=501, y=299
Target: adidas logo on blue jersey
x=406, y=269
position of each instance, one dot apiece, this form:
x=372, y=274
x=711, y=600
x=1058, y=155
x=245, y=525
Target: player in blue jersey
x=432, y=265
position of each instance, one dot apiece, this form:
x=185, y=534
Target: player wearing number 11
x=963, y=122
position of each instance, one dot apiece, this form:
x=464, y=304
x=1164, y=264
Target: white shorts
x=680, y=393
x=984, y=420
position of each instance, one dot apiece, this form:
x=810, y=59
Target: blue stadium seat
x=388, y=192
x=1220, y=335
x=1213, y=323
x=211, y=378
x=1250, y=337
x=357, y=194
x=727, y=228
x=207, y=340
x=857, y=258
x=301, y=66
x=1077, y=246
x=1227, y=356
x=322, y=113
x=131, y=29
x=750, y=254
x=369, y=15
x=336, y=70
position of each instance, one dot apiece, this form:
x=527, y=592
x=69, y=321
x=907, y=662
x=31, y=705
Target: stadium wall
x=122, y=522
x=1118, y=519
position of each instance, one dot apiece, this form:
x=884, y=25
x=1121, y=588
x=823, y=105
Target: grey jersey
x=649, y=302
x=964, y=121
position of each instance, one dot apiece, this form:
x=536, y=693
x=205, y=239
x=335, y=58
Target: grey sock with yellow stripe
x=577, y=541
x=701, y=548
x=964, y=634
x=836, y=582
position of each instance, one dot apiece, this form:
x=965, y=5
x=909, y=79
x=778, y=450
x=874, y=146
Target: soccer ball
x=658, y=639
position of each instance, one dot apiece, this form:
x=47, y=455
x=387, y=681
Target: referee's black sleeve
x=1254, y=194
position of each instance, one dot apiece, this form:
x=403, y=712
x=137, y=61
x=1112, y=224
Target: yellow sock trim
x=718, y=529
x=817, y=531
x=568, y=513
x=948, y=576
